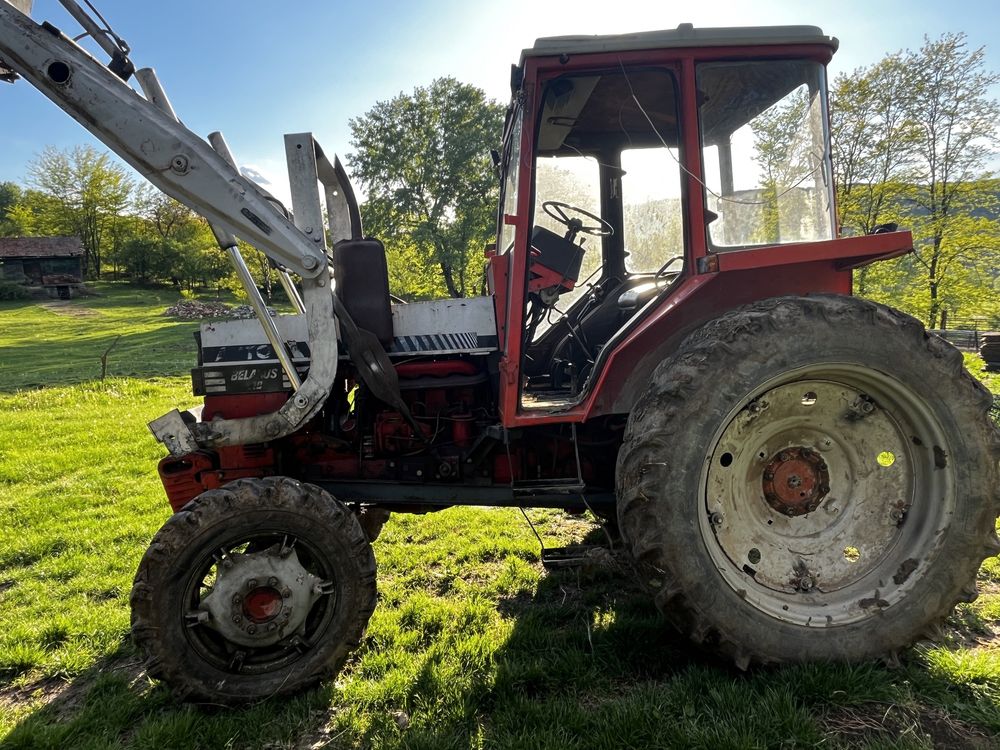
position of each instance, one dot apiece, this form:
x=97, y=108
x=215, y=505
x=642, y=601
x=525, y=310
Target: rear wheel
x=253, y=590
x=810, y=479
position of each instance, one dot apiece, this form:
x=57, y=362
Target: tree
x=912, y=136
x=423, y=161
x=408, y=276
x=193, y=255
x=91, y=193
x=167, y=218
x=778, y=151
x=874, y=157
x=10, y=197
x=35, y=214
x=147, y=259
x=957, y=135
x=874, y=140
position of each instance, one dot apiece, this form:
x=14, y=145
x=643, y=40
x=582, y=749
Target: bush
x=9, y=291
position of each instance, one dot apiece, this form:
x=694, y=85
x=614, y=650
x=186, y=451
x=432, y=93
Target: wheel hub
x=807, y=492
x=260, y=598
x=795, y=481
x=263, y=604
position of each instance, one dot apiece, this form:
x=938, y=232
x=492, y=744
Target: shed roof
x=40, y=247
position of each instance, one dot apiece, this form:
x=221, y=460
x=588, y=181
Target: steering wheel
x=561, y=212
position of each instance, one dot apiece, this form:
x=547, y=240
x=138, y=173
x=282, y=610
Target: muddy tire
x=810, y=479
x=255, y=590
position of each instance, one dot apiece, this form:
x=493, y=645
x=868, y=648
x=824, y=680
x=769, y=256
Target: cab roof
x=685, y=35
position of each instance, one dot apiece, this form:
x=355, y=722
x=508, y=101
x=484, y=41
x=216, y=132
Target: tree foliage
x=873, y=137
x=423, y=161
x=782, y=156
x=913, y=136
x=92, y=193
x=188, y=252
x=135, y=231
x=10, y=197
x=957, y=134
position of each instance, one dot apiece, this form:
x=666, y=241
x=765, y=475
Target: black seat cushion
x=362, y=277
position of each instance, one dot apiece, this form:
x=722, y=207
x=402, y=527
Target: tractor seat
x=362, y=277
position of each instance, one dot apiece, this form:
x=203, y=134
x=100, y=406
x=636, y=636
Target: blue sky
x=257, y=70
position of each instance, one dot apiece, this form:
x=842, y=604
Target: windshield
x=764, y=149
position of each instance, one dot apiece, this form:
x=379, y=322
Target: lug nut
x=806, y=583
x=252, y=583
x=237, y=599
x=251, y=630
x=715, y=519
x=237, y=619
x=286, y=592
x=272, y=581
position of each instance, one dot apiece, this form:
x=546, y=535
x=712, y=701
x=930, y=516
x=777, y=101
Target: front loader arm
x=148, y=136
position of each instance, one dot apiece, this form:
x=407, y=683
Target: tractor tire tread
x=644, y=479
x=220, y=506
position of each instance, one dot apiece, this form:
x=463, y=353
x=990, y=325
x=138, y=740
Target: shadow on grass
x=591, y=664
x=114, y=704
x=588, y=663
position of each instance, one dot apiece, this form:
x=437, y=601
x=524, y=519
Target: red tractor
x=669, y=340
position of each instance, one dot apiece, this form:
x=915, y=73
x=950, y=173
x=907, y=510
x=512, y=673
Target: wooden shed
x=54, y=263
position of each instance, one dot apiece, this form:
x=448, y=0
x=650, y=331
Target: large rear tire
x=255, y=590
x=810, y=479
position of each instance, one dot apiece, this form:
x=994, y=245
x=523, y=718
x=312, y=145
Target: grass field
x=472, y=644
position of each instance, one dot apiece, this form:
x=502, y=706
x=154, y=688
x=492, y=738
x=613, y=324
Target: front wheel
x=254, y=590
x=810, y=479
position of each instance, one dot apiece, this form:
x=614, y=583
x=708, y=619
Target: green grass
x=53, y=343
x=472, y=644
x=977, y=367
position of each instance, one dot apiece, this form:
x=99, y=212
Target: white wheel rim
x=822, y=556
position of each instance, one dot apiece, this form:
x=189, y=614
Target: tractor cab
x=629, y=162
